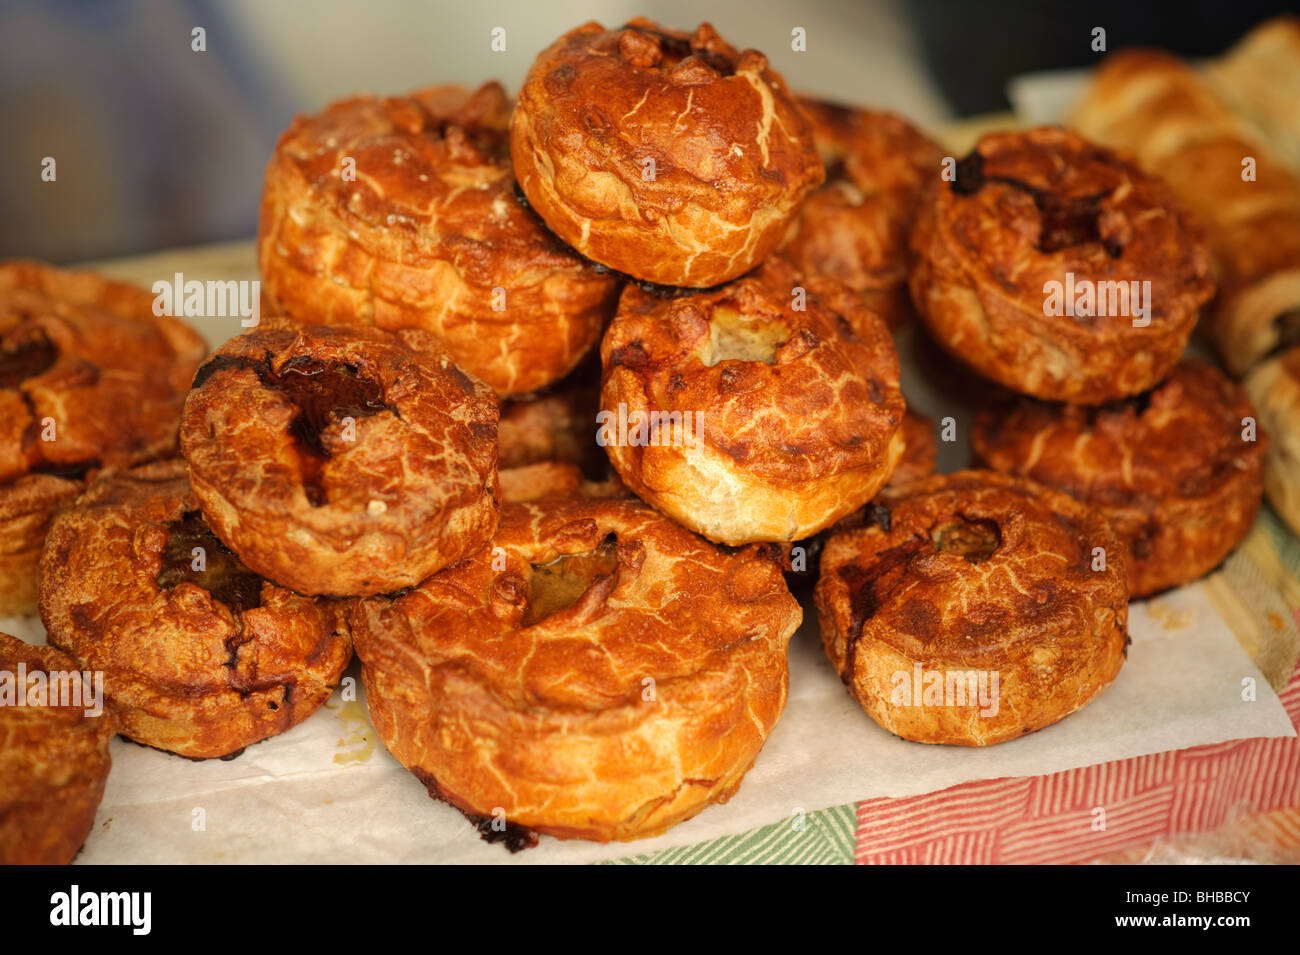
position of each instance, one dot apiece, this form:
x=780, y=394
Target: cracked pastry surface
x=200, y=656
x=668, y=156
x=794, y=414
x=854, y=228
x=342, y=461
x=1274, y=387
x=1046, y=206
x=522, y=688
x=1171, y=469
x=54, y=760
x=429, y=234
x=89, y=378
x=974, y=571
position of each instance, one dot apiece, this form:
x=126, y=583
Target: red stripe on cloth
x=1052, y=818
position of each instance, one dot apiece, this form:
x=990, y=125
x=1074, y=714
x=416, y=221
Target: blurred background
x=157, y=144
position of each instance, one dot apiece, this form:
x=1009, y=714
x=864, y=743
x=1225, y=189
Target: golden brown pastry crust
x=1171, y=470
x=919, y=450
x=53, y=765
x=733, y=155
x=854, y=228
x=1274, y=387
x=323, y=507
x=196, y=664
x=1028, y=606
x=1025, y=210
x=88, y=358
x=794, y=414
x=551, y=720
x=1159, y=108
x=426, y=232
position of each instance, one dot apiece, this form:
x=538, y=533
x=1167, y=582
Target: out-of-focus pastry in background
x=1154, y=105
x=1260, y=77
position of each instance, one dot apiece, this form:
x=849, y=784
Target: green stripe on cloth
x=827, y=837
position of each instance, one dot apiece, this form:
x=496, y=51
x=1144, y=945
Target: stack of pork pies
x=566, y=578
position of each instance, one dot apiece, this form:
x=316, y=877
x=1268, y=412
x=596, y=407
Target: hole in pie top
x=562, y=582
x=976, y=540
x=223, y=575
x=734, y=336
x=25, y=353
x=324, y=392
x=1065, y=221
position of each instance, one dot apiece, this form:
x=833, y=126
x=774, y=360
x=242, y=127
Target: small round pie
x=200, y=656
x=342, y=461
x=1176, y=470
x=599, y=673
x=1274, y=387
x=668, y=156
x=1057, y=268
x=854, y=228
x=54, y=736
x=969, y=611
x=744, y=417
x=401, y=212
x=89, y=378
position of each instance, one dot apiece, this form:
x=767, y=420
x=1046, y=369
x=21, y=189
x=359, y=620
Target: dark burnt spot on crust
x=559, y=80
x=1066, y=221
x=920, y=618
x=25, y=353
x=224, y=576
x=1143, y=545
x=731, y=378
x=463, y=380
x=737, y=451
x=513, y=836
x=968, y=174
x=632, y=355
x=325, y=392
x=875, y=391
